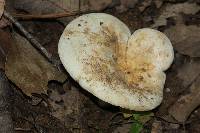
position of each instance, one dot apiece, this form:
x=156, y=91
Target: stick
x=44, y=16
x=33, y=41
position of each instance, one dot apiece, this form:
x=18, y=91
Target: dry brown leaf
x=5, y=41
x=4, y=22
x=189, y=72
x=28, y=69
x=2, y=4
x=72, y=103
x=156, y=127
x=57, y=6
x=144, y=5
x=125, y=5
x=174, y=10
x=158, y=3
x=185, y=39
x=123, y=128
x=186, y=103
x=177, y=83
x=38, y=7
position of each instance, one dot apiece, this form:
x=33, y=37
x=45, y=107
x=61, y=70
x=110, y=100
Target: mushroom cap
x=125, y=70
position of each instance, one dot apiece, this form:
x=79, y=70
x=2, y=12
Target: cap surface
x=99, y=52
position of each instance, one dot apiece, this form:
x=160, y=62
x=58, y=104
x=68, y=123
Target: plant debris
x=175, y=11
x=28, y=69
x=2, y=4
x=186, y=103
x=38, y=95
x=187, y=41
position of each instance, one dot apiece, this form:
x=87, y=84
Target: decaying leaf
x=28, y=69
x=144, y=5
x=158, y=3
x=72, y=106
x=177, y=83
x=124, y=128
x=156, y=127
x=5, y=41
x=2, y=4
x=55, y=6
x=4, y=22
x=174, y=10
x=125, y=5
x=67, y=106
x=42, y=7
x=186, y=103
x=185, y=39
x=189, y=72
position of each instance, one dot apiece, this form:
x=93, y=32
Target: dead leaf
x=185, y=39
x=41, y=7
x=156, y=127
x=98, y=5
x=67, y=105
x=144, y=5
x=174, y=10
x=177, y=84
x=28, y=69
x=2, y=4
x=158, y=3
x=189, y=72
x=125, y=5
x=123, y=128
x=5, y=41
x=57, y=6
x=4, y=22
x=186, y=103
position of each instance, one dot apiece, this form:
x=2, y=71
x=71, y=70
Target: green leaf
x=140, y=118
x=136, y=127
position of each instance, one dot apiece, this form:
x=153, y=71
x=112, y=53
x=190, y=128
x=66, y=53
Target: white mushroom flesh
x=99, y=52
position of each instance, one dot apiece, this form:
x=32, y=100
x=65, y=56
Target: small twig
x=51, y=16
x=33, y=41
x=115, y=115
x=44, y=16
x=121, y=122
x=116, y=123
x=22, y=129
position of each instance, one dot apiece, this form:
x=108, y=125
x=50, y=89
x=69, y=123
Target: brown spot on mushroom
x=101, y=23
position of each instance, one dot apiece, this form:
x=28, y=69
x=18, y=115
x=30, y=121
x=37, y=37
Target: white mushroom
x=99, y=52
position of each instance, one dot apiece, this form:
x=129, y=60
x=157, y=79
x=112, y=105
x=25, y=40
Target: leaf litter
x=70, y=109
x=28, y=69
